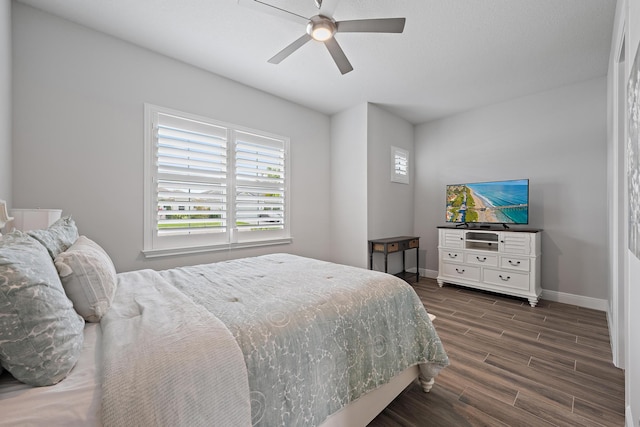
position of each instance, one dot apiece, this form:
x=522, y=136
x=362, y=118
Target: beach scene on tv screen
x=489, y=202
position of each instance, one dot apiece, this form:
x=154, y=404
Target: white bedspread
x=168, y=361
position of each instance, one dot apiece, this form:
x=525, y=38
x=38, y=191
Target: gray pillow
x=40, y=333
x=88, y=277
x=58, y=237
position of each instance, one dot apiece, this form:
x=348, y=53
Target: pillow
x=41, y=335
x=88, y=277
x=58, y=237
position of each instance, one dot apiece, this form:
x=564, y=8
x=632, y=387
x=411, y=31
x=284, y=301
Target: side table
x=395, y=244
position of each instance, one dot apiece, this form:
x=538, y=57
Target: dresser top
x=495, y=227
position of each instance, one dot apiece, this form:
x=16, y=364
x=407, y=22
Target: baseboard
x=616, y=353
x=579, y=300
x=586, y=302
x=431, y=274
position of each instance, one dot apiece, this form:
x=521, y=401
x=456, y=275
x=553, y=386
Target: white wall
x=5, y=101
x=78, y=134
x=349, y=186
x=632, y=371
x=390, y=204
x=630, y=17
x=557, y=139
x=619, y=254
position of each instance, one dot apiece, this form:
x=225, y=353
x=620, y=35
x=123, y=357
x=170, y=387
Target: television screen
x=501, y=202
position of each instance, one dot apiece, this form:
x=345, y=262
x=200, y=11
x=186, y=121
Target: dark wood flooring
x=513, y=365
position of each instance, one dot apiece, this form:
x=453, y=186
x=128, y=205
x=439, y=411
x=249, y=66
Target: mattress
x=73, y=402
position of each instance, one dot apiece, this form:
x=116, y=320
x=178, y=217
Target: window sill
x=157, y=253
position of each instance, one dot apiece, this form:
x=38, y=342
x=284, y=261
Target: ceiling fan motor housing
x=321, y=28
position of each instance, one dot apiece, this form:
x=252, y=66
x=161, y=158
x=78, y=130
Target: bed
x=272, y=340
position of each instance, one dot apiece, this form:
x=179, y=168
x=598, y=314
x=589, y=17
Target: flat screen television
x=495, y=202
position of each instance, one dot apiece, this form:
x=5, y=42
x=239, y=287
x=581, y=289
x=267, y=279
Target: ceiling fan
x=322, y=28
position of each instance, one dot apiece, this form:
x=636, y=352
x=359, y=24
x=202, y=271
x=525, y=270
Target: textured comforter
x=168, y=361
x=315, y=335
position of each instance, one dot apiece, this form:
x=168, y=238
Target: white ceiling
x=454, y=55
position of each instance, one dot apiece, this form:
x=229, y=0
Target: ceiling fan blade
x=383, y=25
x=338, y=56
x=280, y=56
x=328, y=7
x=265, y=7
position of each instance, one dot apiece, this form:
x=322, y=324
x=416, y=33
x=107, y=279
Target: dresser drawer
x=393, y=247
x=514, y=263
x=462, y=271
x=451, y=256
x=406, y=244
x=481, y=259
x=510, y=279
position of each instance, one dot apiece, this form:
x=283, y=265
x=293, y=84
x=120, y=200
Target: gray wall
x=5, y=101
x=365, y=203
x=557, y=139
x=390, y=204
x=349, y=186
x=78, y=134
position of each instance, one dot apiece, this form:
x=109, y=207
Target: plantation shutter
x=211, y=185
x=399, y=165
x=191, y=177
x=259, y=182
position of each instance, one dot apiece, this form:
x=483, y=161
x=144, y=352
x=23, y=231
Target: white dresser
x=506, y=261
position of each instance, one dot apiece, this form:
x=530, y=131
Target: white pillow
x=88, y=277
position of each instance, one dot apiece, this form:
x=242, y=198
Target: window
x=211, y=185
x=399, y=165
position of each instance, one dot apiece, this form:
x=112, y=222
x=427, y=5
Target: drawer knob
x=483, y=259
x=514, y=263
x=460, y=271
x=506, y=280
x=453, y=255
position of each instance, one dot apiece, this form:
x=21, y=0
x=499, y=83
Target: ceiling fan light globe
x=321, y=34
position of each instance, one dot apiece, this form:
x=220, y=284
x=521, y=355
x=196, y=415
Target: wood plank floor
x=513, y=365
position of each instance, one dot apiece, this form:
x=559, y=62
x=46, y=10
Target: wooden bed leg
x=426, y=384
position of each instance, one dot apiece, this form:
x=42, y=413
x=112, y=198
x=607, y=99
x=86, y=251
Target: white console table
x=502, y=261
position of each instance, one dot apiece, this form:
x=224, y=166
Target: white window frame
x=155, y=245
x=400, y=167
